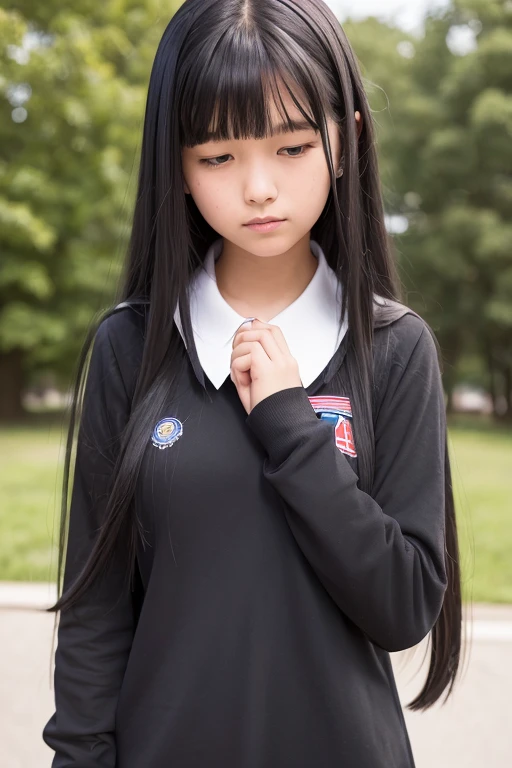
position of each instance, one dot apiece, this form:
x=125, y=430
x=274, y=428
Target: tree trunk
x=492, y=380
x=11, y=385
x=507, y=375
x=449, y=387
x=451, y=346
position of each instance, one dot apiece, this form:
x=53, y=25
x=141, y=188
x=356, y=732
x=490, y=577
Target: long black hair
x=216, y=68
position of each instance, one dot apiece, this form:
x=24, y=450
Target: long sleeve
x=380, y=556
x=95, y=635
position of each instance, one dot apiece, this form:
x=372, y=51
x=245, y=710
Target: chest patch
x=338, y=411
x=166, y=432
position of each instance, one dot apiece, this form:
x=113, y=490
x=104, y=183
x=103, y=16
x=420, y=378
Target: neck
x=262, y=286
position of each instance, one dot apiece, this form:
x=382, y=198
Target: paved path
x=472, y=730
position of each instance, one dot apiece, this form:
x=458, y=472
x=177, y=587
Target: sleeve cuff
x=282, y=421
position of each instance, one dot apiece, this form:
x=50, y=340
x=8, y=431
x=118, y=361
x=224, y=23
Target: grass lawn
x=30, y=462
x=481, y=460
x=30, y=472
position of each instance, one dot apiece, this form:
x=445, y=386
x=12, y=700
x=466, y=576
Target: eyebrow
x=280, y=128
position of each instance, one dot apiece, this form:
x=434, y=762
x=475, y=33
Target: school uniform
x=274, y=588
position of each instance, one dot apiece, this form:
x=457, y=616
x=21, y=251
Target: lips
x=267, y=226
x=263, y=221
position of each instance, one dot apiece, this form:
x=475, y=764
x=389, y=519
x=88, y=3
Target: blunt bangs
x=228, y=90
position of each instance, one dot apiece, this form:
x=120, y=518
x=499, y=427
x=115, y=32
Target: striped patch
x=338, y=411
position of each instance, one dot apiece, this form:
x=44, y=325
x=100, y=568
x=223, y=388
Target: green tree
x=66, y=173
x=444, y=136
x=74, y=82
x=453, y=160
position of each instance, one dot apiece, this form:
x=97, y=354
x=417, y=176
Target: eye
x=211, y=162
x=301, y=146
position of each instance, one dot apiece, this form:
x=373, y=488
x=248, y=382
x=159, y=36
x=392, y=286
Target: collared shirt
x=310, y=324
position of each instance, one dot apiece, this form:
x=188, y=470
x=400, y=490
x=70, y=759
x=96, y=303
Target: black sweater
x=274, y=587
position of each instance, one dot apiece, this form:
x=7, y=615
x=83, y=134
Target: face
x=283, y=176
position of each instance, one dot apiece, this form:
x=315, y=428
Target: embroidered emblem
x=338, y=411
x=166, y=432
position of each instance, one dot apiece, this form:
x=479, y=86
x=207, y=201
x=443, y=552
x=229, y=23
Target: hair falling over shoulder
x=195, y=88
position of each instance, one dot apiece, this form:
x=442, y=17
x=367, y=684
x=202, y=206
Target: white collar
x=309, y=324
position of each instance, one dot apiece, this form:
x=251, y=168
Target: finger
x=246, y=325
x=252, y=355
x=240, y=370
x=276, y=332
x=266, y=340
x=241, y=379
x=241, y=359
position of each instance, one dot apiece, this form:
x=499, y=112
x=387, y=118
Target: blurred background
x=73, y=83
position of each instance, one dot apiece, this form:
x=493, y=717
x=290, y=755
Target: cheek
x=312, y=192
x=201, y=187
x=197, y=183
x=315, y=182
x=210, y=196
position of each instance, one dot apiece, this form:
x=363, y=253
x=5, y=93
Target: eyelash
x=209, y=164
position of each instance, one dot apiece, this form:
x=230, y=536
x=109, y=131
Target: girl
x=261, y=507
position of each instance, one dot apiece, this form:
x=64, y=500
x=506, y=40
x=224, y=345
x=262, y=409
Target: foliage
x=74, y=82
x=446, y=153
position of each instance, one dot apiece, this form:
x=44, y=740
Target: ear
x=359, y=121
x=185, y=187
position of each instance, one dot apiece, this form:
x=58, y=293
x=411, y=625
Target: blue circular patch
x=166, y=432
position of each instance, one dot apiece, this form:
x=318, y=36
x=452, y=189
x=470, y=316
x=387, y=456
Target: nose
x=260, y=186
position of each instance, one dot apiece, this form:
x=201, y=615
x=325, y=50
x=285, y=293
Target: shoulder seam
x=403, y=365
x=383, y=381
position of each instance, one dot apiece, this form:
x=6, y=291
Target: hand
x=261, y=363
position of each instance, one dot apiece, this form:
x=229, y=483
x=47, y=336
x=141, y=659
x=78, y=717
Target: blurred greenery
x=481, y=457
x=29, y=489
x=74, y=81
x=73, y=84
x=444, y=130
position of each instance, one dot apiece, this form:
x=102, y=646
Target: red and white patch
x=338, y=411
